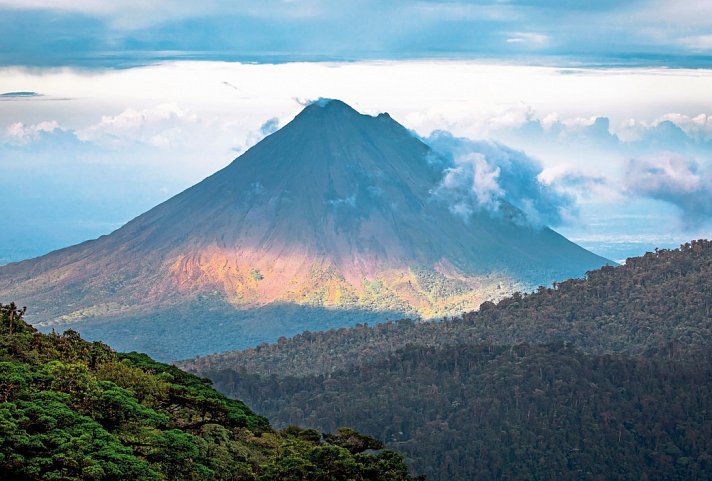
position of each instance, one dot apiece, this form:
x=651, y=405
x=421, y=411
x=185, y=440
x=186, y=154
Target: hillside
x=511, y=412
x=75, y=410
x=328, y=222
x=657, y=302
x=607, y=377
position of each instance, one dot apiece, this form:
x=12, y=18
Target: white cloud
x=664, y=172
x=549, y=121
x=579, y=123
x=697, y=43
x=21, y=134
x=161, y=126
x=123, y=14
x=698, y=127
x=675, y=179
x=478, y=178
x=480, y=175
x=529, y=39
x=458, y=11
x=687, y=14
x=511, y=117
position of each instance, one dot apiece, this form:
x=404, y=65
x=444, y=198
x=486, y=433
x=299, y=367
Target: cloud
x=269, y=126
x=160, y=126
x=471, y=185
x=528, y=39
x=484, y=176
x=697, y=43
x=664, y=135
x=697, y=128
x=124, y=14
x=134, y=32
x=563, y=175
x=21, y=134
x=19, y=95
x=675, y=179
x=670, y=14
x=670, y=131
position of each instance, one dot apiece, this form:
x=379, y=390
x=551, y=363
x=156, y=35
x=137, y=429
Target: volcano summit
x=329, y=221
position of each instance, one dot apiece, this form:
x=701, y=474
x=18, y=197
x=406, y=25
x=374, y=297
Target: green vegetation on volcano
x=76, y=410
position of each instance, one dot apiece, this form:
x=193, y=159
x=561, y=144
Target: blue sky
x=595, y=117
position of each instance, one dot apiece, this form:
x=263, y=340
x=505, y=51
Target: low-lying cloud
x=270, y=126
x=160, y=126
x=675, y=179
x=20, y=134
x=485, y=176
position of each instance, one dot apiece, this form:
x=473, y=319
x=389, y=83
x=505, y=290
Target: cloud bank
x=133, y=32
x=485, y=176
x=160, y=126
x=678, y=180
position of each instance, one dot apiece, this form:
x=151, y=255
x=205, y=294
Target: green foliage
x=43, y=438
x=355, y=442
x=10, y=318
x=436, y=285
x=290, y=468
x=607, y=377
x=146, y=387
x=256, y=275
x=510, y=412
x=73, y=410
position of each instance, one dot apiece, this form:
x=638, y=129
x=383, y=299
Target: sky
x=592, y=117
x=130, y=32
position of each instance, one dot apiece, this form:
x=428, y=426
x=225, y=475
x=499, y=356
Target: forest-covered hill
x=75, y=410
x=607, y=377
x=523, y=412
x=656, y=302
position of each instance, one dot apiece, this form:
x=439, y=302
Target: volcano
x=329, y=221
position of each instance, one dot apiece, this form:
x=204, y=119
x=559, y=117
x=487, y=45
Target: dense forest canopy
x=607, y=377
x=519, y=412
x=76, y=410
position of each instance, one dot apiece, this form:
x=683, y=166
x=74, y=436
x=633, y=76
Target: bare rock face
x=329, y=221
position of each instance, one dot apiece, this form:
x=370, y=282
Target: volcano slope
x=327, y=222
